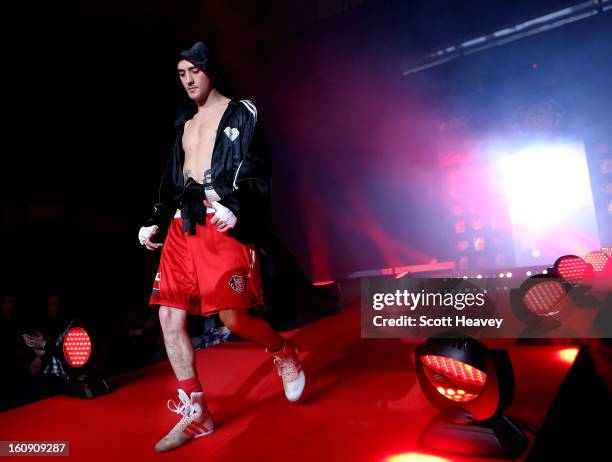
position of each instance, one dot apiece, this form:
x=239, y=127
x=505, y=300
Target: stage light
x=572, y=268
x=84, y=360
x=546, y=300
x=606, y=270
x=597, y=260
x=543, y=299
x=541, y=302
x=471, y=380
x=471, y=385
x=543, y=296
x=323, y=283
x=77, y=347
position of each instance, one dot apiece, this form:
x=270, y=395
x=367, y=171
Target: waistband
x=177, y=214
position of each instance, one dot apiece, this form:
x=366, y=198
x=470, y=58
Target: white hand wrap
x=211, y=194
x=146, y=233
x=225, y=215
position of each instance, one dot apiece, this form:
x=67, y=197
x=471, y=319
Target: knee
x=234, y=320
x=171, y=319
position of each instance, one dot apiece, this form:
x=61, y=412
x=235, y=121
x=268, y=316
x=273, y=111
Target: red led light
x=426, y=267
x=544, y=298
x=573, y=269
x=456, y=395
x=597, y=259
x=77, y=347
x=322, y=283
x=455, y=369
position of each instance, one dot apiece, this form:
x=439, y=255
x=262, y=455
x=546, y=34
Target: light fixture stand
x=455, y=432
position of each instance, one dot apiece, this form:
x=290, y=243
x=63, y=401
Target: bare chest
x=198, y=143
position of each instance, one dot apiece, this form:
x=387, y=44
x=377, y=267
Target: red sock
x=190, y=386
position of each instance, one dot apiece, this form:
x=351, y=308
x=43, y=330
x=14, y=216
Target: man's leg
x=178, y=344
x=252, y=328
x=196, y=417
x=284, y=352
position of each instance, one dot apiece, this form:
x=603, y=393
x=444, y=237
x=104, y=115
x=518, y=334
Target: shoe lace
x=185, y=407
x=286, y=368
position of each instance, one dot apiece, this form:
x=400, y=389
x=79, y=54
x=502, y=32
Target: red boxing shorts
x=206, y=272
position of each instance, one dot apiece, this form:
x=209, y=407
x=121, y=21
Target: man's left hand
x=224, y=218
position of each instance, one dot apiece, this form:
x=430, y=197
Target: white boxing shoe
x=196, y=421
x=290, y=370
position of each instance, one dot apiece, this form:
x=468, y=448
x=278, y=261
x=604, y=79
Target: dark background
x=92, y=94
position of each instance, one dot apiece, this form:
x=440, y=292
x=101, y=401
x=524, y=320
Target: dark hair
x=201, y=56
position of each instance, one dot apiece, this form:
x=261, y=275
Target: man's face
x=195, y=81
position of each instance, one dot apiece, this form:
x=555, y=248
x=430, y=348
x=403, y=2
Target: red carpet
x=362, y=404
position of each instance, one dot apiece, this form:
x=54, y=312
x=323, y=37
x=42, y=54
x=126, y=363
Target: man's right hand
x=145, y=234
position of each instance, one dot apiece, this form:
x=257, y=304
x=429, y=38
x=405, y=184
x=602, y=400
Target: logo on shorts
x=238, y=283
x=157, y=284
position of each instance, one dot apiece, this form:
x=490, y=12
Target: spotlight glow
x=415, y=457
x=549, y=194
x=568, y=355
